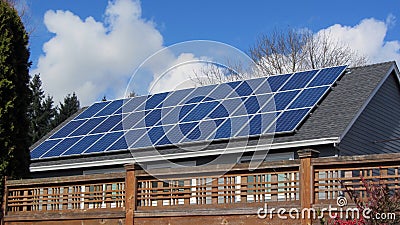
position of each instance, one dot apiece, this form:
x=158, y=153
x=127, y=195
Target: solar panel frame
x=237, y=88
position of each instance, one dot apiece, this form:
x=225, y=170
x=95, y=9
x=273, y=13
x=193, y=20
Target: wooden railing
x=243, y=187
x=78, y=193
x=333, y=178
x=302, y=183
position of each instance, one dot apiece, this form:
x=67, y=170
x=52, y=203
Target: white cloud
x=93, y=58
x=175, y=75
x=368, y=38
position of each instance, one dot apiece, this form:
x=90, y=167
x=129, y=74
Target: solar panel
x=277, y=104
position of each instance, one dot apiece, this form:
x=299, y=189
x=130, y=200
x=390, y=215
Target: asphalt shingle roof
x=342, y=104
x=330, y=119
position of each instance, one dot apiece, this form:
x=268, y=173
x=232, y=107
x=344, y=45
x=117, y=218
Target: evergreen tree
x=14, y=94
x=41, y=111
x=132, y=94
x=66, y=109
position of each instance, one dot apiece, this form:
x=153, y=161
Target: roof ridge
x=374, y=64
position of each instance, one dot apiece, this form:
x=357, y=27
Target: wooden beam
x=130, y=194
x=306, y=182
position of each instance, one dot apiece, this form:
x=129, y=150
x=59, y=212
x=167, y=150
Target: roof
x=328, y=122
x=342, y=104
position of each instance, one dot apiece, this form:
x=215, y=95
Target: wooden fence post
x=4, y=200
x=130, y=194
x=306, y=182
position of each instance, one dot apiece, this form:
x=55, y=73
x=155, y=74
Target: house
x=354, y=112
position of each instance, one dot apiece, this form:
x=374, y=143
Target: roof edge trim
x=294, y=144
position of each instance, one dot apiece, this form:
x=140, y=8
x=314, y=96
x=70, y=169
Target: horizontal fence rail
x=301, y=183
x=77, y=193
x=331, y=183
x=247, y=187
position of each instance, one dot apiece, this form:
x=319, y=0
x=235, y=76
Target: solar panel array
x=277, y=104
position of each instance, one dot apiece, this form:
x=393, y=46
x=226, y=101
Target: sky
x=94, y=47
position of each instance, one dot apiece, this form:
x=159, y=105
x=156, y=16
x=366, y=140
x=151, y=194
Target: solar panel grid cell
x=82, y=144
x=92, y=110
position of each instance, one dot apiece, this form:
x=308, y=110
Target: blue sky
x=96, y=56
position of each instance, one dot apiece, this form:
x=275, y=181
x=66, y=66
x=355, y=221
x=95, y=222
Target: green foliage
x=66, y=109
x=14, y=94
x=41, y=111
x=43, y=116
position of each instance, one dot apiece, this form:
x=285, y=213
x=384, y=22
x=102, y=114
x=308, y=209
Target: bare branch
x=287, y=51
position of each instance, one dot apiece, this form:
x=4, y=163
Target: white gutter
x=293, y=144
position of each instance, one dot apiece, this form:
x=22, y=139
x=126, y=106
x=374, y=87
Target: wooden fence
x=206, y=195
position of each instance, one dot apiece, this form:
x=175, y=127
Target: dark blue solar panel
x=133, y=136
x=187, y=127
x=67, y=129
x=119, y=145
x=136, y=103
x=308, y=97
x=263, y=88
x=107, y=124
x=104, y=142
x=234, y=84
x=221, y=91
x=43, y=148
x=152, y=117
x=289, y=120
x=185, y=110
x=118, y=127
x=220, y=112
x=203, y=130
x=92, y=110
x=61, y=147
x=252, y=105
x=327, y=76
x=255, y=125
x=155, y=100
x=224, y=130
x=282, y=99
x=299, y=80
x=263, y=100
x=110, y=108
x=200, y=111
x=133, y=119
x=119, y=110
x=254, y=84
x=83, y=144
x=87, y=126
x=198, y=94
x=156, y=133
x=243, y=89
x=275, y=82
x=175, y=97
x=143, y=141
x=234, y=109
